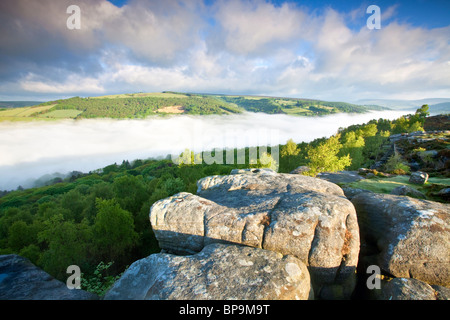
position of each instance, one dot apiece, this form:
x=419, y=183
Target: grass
x=295, y=110
x=61, y=114
x=386, y=185
x=23, y=114
x=141, y=94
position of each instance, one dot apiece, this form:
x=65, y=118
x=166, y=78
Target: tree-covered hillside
x=293, y=106
x=142, y=105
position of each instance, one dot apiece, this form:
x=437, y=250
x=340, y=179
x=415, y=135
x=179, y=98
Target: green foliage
x=100, y=281
x=174, y=185
x=411, y=123
x=353, y=146
x=126, y=106
x=396, y=165
x=291, y=105
x=20, y=235
x=265, y=161
x=422, y=112
x=324, y=157
x=289, y=156
x=113, y=230
x=67, y=243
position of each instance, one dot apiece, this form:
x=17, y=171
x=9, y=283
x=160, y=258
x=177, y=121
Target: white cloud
x=231, y=46
x=255, y=27
x=73, y=84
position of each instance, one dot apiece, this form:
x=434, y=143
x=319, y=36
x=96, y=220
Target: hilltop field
x=142, y=105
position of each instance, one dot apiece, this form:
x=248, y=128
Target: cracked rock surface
x=410, y=237
x=218, y=272
x=296, y=215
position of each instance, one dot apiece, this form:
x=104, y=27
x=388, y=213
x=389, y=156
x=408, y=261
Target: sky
x=303, y=49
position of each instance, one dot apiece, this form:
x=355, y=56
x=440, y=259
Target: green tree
x=174, y=185
x=353, y=145
x=264, y=161
x=368, y=130
x=396, y=165
x=130, y=192
x=416, y=126
x=401, y=125
x=113, y=230
x=67, y=243
x=20, y=236
x=75, y=203
x=423, y=112
x=289, y=156
x=324, y=157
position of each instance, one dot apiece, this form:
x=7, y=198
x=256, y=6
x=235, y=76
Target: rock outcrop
x=305, y=217
x=341, y=176
x=418, y=177
x=410, y=238
x=405, y=190
x=218, y=272
x=22, y=280
x=411, y=289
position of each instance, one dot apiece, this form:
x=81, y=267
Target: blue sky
x=310, y=49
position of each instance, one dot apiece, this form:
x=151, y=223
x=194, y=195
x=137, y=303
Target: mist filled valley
x=31, y=150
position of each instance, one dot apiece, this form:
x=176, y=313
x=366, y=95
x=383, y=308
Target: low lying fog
x=29, y=150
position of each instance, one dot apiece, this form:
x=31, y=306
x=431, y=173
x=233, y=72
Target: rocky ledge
x=218, y=272
x=21, y=280
x=304, y=217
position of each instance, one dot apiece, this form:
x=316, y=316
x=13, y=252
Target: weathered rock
x=302, y=216
x=412, y=289
x=408, y=191
x=300, y=170
x=341, y=176
x=351, y=192
x=442, y=293
x=412, y=236
x=254, y=171
x=418, y=177
x=444, y=193
x=218, y=272
x=22, y=280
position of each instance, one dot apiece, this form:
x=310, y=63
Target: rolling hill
x=142, y=105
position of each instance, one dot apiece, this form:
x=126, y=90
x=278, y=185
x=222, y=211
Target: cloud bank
x=237, y=46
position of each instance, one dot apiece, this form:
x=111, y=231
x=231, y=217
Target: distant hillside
x=142, y=105
x=18, y=104
x=292, y=106
x=435, y=104
x=443, y=107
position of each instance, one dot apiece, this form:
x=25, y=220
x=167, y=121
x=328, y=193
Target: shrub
x=100, y=281
x=395, y=163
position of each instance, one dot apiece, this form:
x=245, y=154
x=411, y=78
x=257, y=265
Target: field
x=144, y=94
x=61, y=114
x=23, y=114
